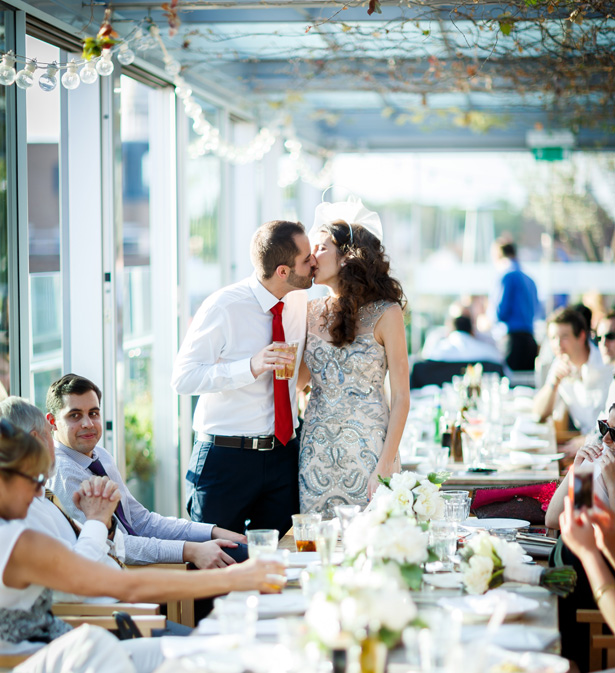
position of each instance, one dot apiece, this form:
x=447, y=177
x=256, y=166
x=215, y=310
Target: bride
x=350, y=435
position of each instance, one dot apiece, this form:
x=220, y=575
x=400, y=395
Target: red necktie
x=281, y=396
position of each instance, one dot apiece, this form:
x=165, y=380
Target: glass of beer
x=305, y=527
x=288, y=370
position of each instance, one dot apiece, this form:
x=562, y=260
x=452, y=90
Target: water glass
x=345, y=514
x=326, y=541
x=440, y=643
x=456, y=505
x=438, y=457
x=304, y=530
x=443, y=540
x=237, y=614
x=262, y=542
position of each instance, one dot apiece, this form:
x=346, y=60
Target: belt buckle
x=255, y=441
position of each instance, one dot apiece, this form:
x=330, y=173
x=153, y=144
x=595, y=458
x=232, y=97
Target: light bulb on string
x=7, y=69
x=25, y=78
x=126, y=56
x=70, y=79
x=171, y=66
x=48, y=81
x=182, y=90
x=88, y=73
x=104, y=67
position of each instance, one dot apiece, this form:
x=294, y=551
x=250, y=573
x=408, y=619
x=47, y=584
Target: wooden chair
x=103, y=609
x=601, y=643
x=9, y=661
x=181, y=611
x=145, y=623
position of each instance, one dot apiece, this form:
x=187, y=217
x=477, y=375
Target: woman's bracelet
x=600, y=591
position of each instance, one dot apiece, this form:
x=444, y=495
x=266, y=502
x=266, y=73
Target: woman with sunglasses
x=599, y=450
x=33, y=564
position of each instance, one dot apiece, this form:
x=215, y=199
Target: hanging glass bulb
x=70, y=79
x=25, y=77
x=126, y=55
x=171, y=66
x=182, y=90
x=88, y=73
x=7, y=69
x=104, y=67
x=47, y=81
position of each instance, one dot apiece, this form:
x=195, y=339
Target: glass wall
x=5, y=376
x=203, y=191
x=137, y=318
x=43, y=123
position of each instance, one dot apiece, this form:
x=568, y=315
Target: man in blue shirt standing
x=516, y=305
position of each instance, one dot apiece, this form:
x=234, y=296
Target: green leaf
x=385, y=480
x=438, y=478
x=412, y=575
x=505, y=26
x=388, y=637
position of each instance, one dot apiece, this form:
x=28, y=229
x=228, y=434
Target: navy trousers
x=227, y=486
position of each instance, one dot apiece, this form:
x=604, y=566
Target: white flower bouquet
x=356, y=605
x=489, y=561
x=405, y=493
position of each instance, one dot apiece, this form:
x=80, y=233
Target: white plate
x=443, y=580
x=293, y=574
x=281, y=605
x=301, y=559
x=480, y=608
x=518, y=458
x=490, y=524
x=500, y=660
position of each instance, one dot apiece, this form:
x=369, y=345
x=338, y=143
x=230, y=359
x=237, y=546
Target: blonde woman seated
x=32, y=564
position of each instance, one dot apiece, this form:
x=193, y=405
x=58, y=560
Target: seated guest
x=31, y=561
x=73, y=403
x=600, y=450
x=590, y=535
x=97, y=539
x=605, y=336
x=578, y=380
x=462, y=346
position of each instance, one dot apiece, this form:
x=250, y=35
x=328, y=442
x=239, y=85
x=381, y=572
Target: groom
x=244, y=461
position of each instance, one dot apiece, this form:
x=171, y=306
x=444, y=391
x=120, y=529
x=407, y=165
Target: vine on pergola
x=557, y=54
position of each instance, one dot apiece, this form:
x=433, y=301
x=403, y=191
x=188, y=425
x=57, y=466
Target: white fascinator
x=351, y=211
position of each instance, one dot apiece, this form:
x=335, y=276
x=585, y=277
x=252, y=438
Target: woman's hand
x=266, y=576
x=577, y=530
x=603, y=519
x=590, y=452
x=383, y=470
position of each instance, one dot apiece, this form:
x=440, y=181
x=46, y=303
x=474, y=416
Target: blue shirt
x=160, y=538
x=517, y=301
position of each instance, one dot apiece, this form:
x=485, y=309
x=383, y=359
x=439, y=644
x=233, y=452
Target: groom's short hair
x=273, y=244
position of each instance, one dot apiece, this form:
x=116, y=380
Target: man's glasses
x=603, y=428
x=609, y=336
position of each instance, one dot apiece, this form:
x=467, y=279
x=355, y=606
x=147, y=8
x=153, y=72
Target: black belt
x=263, y=443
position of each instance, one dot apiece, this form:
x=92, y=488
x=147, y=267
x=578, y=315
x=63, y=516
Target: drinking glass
x=261, y=542
x=440, y=643
x=443, y=540
x=345, y=514
x=288, y=371
x=304, y=529
x=438, y=457
x=237, y=614
x=326, y=540
x=456, y=505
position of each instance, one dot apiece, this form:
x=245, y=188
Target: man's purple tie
x=97, y=468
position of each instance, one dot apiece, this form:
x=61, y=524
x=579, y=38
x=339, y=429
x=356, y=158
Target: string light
x=7, y=69
x=25, y=77
x=88, y=73
x=47, y=81
x=71, y=79
x=126, y=55
x=104, y=66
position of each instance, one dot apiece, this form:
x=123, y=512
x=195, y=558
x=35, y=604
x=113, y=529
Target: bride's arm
x=390, y=331
x=303, y=377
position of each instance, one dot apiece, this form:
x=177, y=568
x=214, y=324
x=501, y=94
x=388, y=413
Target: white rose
x=429, y=504
x=393, y=610
x=482, y=544
x=404, y=480
x=399, y=539
x=477, y=574
x=323, y=617
x=511, y=553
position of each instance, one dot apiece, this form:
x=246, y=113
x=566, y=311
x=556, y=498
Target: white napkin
x=211, y=627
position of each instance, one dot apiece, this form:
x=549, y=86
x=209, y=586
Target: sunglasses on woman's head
x=609, y=336
x=603, y=428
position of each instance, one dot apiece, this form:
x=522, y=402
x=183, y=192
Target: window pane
x=5, y=387
x=138, y=336
x=43, y=123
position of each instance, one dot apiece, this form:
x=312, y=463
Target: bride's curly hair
x=363, y=278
